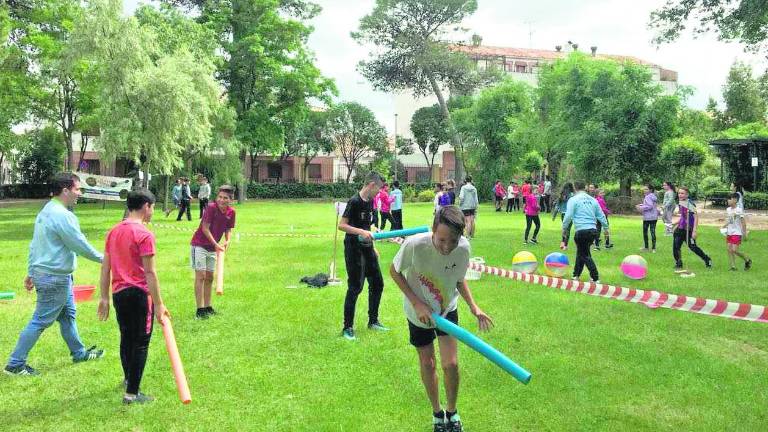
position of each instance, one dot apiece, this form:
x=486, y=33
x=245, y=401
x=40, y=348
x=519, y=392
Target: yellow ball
x=524, y=262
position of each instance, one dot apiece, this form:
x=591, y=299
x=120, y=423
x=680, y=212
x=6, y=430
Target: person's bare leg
x=466, y=227
x=207, y=288
x=199, y=286
x=731, y=255
x=450, y=362
x=429, y=375
x=472, y=226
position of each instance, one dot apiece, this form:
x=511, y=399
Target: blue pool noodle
x=400, y=233
x=483, y=348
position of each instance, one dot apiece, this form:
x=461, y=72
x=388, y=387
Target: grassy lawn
x=272, y=360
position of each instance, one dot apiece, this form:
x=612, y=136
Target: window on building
x=275, y=170
x=521, y=68
x=315, y=171
x=423, y=176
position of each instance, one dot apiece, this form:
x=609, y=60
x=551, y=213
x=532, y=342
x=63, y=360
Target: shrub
x=25, y=191
x=318, y=190
x=756, y=200
x=426, y=196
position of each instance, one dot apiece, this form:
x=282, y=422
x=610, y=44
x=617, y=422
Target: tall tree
x=356, y=133
x=430, y=131
x=154, y=105
x=612, y=116
x=268, y=73
x=309, y=138
x=413, y=54
x=741, y=93
x=732, y=20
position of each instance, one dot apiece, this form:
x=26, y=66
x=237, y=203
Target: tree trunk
x=349, y=171
x=241, y=196
x=625, y=186
x=165, y=192
x=455, y=138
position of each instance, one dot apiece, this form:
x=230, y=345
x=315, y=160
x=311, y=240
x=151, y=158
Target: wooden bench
x=719, y=198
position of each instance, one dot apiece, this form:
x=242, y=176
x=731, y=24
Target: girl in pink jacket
x=604, y=207
x=531, y=216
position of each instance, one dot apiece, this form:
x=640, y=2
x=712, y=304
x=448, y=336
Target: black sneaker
x=534, y=241
x=140, y=398
x=348, y=334
x=23, y=370
x=90, y=354
x=748, y=265
x=708, y=264
x=377, y=326
x=438, y=423
x=609, y=246
x=201, y=314
x=453, y=424
x=209, y=310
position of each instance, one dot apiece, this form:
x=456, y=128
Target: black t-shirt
x=452, y=195
x=359, y=214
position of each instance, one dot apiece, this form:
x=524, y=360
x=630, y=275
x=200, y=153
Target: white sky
x=614, y=26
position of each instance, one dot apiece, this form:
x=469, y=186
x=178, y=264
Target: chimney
x=558, y=48
x=594, y=51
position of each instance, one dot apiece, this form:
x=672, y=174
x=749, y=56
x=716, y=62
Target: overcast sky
x=614, y=26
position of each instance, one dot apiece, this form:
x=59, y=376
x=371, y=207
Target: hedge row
x=24, y=191
x=316, y=190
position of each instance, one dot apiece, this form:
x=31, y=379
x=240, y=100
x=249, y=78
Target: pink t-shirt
x=500, y=191
x=221, y=222
x=526, y=189
x=603, y=205
x=127, y=243
x=531, y=205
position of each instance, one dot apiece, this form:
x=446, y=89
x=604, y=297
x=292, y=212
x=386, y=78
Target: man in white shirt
x=204, y=194
x=430, y=270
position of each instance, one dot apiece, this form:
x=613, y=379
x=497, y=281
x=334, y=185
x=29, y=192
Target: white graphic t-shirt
x=432, y=276
x=734, y=221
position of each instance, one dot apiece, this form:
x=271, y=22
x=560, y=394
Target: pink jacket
x=500, y=191
x=384, y=201
x=531, y=205
x=603, y=205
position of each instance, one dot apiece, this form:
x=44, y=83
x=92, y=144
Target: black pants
x=536, y=221
x=386, y=216
x=516, y=203
x=652, y=226
x=584, y=240
x=203, y=205
x=375, y=214
x=184, y=207
x=134, y=316
x=681, y=236
x=599, y=231
x=362, y=264
x=397, y=219
x=510, y=204
x=566, y=230
x=544, y=203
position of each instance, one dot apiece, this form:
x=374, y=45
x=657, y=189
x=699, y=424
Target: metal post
x=396, y=167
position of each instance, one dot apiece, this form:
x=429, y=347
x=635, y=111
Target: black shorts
x=422, y=337
x=470, y=212
x=499, y=198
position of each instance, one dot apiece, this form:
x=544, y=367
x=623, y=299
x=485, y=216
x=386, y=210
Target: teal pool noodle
x=7, y=295
x=483, y=348
x=399, y=233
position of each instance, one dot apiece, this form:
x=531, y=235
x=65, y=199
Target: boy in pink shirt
x=129, y=258
x=531, y=216
x=217, y=222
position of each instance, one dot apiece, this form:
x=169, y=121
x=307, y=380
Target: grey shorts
x=203, y=260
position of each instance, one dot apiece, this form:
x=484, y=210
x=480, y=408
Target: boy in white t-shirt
x=736, y=231
x=430, y=270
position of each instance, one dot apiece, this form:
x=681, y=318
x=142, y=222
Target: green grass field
x=272, y=360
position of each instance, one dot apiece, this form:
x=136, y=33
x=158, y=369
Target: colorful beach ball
x=634, y=267
x=524, y=262
x=556, y=264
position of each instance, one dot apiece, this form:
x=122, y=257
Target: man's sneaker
x=348, y=333
x=454, y=424
x=90, y=354
x=21, y=370
x=201, y=314
x=534, y=241
x=140, y=398
x=377, y=326
x=708, y=263
x=748, y=265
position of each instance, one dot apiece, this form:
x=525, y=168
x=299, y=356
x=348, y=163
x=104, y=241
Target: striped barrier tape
x=722, y=213
x=182, y=229
x=652, y=299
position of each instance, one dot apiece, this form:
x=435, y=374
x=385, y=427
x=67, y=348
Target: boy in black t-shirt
x=361, y=257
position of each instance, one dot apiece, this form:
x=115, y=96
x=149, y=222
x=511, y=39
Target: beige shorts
x=203, y=260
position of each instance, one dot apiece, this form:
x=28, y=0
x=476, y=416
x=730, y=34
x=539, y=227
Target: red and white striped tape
x=652, y=299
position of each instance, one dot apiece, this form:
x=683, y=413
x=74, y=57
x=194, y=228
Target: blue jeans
x=55, y=302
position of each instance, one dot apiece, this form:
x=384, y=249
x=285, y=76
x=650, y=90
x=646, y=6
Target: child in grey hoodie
x=649, y=208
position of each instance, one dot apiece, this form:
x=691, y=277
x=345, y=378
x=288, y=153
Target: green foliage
x=356, y=132
x=611, y=116
x=41, y=158
x=710, y=184
x=340, y=190
x=430, y=131
x=426, y=195
x=741, y=93
x=532, y=162
x=756, y=200
x=745, y=131
x=308, y=138
x=681, y=156
x=734, y=20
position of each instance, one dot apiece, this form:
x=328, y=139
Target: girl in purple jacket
x=649, y=209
